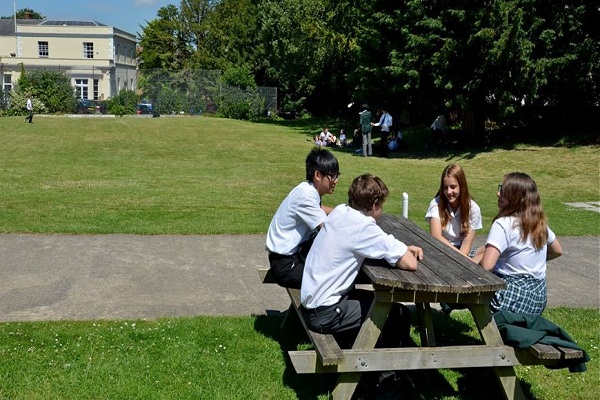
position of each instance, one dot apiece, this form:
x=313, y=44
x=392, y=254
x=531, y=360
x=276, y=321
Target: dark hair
x=367, y=191
x=523, y=201
x=464, y=200
x=322, y=160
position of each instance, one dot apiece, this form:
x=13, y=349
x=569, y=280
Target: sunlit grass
x=197, y=175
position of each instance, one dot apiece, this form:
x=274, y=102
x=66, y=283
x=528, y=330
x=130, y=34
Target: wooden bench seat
x=326, y=347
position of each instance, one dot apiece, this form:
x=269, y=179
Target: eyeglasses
x=333, y=177
x=500, y=188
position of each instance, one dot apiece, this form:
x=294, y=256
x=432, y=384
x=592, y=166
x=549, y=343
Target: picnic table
x=443, y=275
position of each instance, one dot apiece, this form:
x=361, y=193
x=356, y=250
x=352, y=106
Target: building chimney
x=28, y=15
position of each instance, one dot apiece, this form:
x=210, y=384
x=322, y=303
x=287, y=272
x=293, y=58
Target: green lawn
x=207, y=175
x=201, y=175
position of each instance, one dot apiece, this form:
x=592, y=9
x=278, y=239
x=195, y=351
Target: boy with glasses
x=299, y=217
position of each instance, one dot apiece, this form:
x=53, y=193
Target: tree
x=52, y=89
x=25, y=13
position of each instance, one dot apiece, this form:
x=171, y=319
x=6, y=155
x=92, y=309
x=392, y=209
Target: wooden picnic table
x=443, y=275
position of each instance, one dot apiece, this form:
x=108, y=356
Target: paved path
x=55, y=277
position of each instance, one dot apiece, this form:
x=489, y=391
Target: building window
x=6, y=88
x=81, y=88
x=88, y=50
x=43, y=49
x=96, y=87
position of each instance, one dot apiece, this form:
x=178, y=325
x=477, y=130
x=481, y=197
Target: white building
x=99, y=59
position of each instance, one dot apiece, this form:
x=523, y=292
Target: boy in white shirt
x=299, y=216
x=348, y=236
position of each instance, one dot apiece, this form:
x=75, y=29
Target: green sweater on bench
x=524, y=330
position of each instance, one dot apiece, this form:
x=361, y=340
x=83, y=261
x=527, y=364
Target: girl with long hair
x=453, y=215
x=518, y=246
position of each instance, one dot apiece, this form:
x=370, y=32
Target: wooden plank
x=545, y=352
x=442, y=269
x=570, y=354
x=408, y=358
x=414, y=358
x=326, y=346
x=466, y=265
x=265, y=276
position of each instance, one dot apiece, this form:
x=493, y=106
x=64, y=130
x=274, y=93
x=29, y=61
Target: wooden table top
x=442, y=269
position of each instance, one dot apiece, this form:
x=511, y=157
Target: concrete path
x=58, y=277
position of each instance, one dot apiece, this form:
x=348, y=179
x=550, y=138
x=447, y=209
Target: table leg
x=425, y=324
x=366, y=339
x=491, y=336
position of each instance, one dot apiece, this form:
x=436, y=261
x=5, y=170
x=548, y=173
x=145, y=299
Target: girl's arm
x=490, y=257
x=467, y=242
x=435, y=228
x=554, y=250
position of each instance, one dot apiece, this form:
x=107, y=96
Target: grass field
x=192, y=175
x=208, y=176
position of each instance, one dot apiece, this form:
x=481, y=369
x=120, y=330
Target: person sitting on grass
x=298, y=217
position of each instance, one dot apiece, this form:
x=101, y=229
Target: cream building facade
x=100, y=60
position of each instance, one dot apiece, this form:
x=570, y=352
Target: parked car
x=87, y=106
x=143, y=109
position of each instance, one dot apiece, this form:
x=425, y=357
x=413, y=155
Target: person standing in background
x=365, y=127
x=29, y=117
x=385, y=122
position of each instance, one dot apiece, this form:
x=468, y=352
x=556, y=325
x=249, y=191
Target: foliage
x=123, y=103
x=24, y=13
x=51, y=92
x=241, y=104
x=514, y=62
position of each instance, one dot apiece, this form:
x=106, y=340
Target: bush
x=123, y=103
x=51, y=92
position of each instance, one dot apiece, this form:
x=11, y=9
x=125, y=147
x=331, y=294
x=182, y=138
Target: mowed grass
x=183, y=175
x=198, y=175
x=240, y=358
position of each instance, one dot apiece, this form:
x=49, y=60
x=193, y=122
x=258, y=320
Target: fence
x=198, y=91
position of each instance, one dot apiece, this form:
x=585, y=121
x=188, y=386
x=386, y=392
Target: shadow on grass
x=466, y=383
x=419, y=143
x=289, y=337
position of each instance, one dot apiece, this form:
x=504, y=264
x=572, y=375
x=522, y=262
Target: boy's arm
x=409, y=260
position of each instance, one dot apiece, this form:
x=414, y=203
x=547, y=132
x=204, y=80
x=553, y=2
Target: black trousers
x=29, y=116
x=345, y=318
x=287, y=269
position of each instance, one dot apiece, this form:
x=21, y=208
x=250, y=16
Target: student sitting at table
x=330, y=303
x=298, y=217
x=453, y=215
x=518, y=246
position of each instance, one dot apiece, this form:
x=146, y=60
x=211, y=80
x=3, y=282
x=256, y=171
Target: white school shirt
x=386, y=121
x=298, y=215
x=346, y=238
x=451, y=231
x=517, y=257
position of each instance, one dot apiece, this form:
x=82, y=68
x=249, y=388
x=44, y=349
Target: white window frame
x=88, y=49
x=43, y=49
x=81, y=88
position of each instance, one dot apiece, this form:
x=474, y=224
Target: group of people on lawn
x=319, y=249
x=391, y=139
